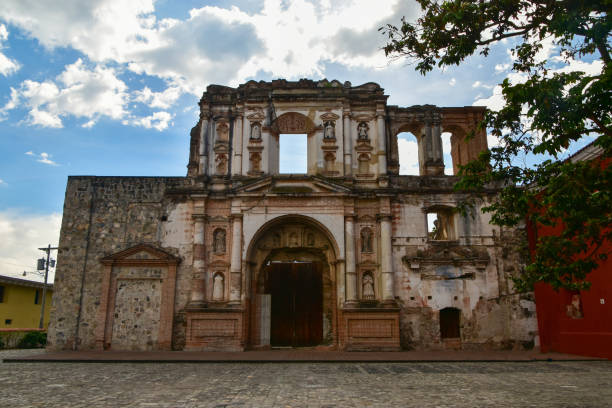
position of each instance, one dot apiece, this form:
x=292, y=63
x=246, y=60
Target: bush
x=33, y=339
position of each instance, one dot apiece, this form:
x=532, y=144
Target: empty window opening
x=8, y=321
x=408, y=150
x=37, y=297
x=1, y=294
x=446, y=153
x=293, y=154
x=450, y=322
x=440, y=225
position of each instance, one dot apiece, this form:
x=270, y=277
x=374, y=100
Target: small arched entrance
x=292, y=285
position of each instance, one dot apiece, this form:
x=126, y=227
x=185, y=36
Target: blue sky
x=109, y=87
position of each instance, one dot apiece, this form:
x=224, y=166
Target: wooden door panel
x=296, y=291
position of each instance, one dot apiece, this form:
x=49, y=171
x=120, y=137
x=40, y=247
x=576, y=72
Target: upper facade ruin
x=351, y=131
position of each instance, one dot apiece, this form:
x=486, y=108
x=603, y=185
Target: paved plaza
x=332, y=384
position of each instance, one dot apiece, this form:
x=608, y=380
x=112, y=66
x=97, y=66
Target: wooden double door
x=296, y=290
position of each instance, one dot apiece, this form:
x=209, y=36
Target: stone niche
x=137, y=300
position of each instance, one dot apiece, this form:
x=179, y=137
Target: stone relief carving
x=219, y=241
x=293, y=240
x=366, y=240
x=255, y=160
x=367, y=286
x=310, y=239
x=362, y=131
x=221, y=163
x=293, y=122
x=218, y=287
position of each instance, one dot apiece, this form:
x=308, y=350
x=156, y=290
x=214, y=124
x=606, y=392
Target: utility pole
x=44, y=294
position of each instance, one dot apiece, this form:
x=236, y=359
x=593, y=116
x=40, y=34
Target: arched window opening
x=408, y=151
x=293, y=154
x=450, y=323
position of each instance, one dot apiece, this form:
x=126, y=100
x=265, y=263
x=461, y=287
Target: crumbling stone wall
x=104, y=215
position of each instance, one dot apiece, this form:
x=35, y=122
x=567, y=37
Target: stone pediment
x=293, y=185
x=141, y=253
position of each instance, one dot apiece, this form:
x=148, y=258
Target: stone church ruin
x=238, y=256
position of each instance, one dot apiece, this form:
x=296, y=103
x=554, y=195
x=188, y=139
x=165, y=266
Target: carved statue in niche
x=222, y=132
x=330, y=130
x=293, y=240
x=310, y=239
x=367, y=286
x=218, y=287
x=221, y=162
x=276, y=240
x=219, y=241
x=362, y=131
x=256, y=131
x=366, y=240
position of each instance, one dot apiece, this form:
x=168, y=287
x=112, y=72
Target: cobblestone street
x=444, y=384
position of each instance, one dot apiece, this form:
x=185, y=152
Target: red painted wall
x=590, y=335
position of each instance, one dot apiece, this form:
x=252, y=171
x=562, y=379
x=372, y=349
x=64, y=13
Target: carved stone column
x=237, y=145
x=197, y=298
x=386, y=260
x=204, y=136
x=347, y=144
x=382, y=144
x=236, y=260
x=351, y=273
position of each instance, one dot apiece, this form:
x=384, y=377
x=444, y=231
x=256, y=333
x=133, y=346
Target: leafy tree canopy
x=544, y=112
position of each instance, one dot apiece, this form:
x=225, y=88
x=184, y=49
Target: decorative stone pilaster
x=434, y=164
x=347, y=144
x=386, y=261
x=350, y=270
x=382, y=144
x=237, y=145
x=204, y=135
x=236, y=260
x=197, y=298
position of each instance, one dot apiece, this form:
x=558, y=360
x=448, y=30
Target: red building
x=576, y=322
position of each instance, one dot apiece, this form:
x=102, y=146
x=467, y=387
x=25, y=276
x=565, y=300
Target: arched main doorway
x=292, y=273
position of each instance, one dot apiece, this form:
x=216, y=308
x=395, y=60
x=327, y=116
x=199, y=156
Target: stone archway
x=292, y=285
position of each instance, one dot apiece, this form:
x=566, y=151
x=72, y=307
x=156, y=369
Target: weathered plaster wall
x=471, y=274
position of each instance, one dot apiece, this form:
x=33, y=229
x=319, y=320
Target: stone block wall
x=104, y=215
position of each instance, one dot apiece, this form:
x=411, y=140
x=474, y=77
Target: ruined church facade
x=238, y=256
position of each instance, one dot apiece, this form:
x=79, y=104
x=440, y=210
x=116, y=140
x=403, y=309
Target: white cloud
x=158, y=121
x=44, y=158
x=7, y=66
x=79, y=91
x=452, y=82
x=21, y=236
x=214, y=44
x=161, y=100
x=502, y=68
x=3, y=183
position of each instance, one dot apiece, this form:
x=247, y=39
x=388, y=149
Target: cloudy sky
x=110, y=87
